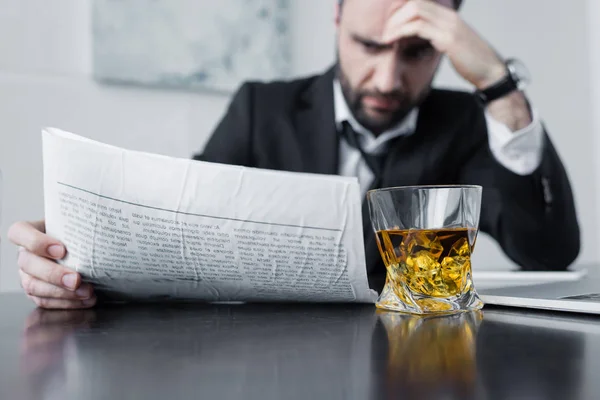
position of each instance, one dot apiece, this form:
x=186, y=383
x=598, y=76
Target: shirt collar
x=342, y=113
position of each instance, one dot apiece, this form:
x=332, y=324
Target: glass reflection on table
x=428, y=356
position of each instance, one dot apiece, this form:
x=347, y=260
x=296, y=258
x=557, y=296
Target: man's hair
x=457, y=3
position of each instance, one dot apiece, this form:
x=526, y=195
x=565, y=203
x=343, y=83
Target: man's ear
x=338, y=13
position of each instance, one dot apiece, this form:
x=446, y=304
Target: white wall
x=45, y=66
x=593, y=24
x=592, y=364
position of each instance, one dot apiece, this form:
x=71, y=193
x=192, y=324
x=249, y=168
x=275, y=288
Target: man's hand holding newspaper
x=140, y=226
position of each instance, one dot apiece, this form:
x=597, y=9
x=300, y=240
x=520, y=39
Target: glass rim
x=425, y=187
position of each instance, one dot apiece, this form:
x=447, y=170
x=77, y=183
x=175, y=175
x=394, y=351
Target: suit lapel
x=315, y=126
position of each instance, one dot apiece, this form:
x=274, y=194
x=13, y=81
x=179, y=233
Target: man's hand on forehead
x=437, y=22
x=427, y=19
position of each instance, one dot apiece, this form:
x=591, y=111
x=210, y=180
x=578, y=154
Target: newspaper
x=140, y=226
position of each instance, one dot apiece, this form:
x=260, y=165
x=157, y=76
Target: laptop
x=575, y=293
x=484, y=279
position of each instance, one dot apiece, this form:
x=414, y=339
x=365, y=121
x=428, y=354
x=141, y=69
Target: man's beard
x=385, y=120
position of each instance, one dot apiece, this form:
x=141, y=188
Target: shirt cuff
x=521, y=151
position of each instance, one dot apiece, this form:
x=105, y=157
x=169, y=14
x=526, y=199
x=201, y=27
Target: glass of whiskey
x=426, y=235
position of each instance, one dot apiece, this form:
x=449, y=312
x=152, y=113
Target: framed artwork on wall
x=190, y=44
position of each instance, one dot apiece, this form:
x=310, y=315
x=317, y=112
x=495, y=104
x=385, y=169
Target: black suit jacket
x=290, y=126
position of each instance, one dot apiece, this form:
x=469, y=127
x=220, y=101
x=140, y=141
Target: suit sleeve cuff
x=520, y=151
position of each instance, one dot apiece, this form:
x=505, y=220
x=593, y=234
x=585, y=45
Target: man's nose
x=388, y=74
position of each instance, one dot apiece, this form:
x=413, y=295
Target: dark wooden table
x=197, y=351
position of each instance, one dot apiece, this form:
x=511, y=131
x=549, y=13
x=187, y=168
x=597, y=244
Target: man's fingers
x=31, y=237
x=39, y=288
x=416, y=10
x=426, y=9
x=48, y=271
x=425, y=30
x=39, y=225
x=406, y=13
x=60, y=304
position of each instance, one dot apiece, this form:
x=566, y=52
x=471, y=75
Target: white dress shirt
x=519, y=152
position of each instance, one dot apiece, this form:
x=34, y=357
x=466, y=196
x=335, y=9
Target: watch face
x=519, y=72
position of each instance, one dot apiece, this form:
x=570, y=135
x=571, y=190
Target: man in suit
x=375, y=116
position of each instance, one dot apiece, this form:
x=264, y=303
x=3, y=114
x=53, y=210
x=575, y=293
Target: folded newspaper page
x=142, y=226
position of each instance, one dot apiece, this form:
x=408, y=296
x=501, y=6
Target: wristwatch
x=517, y=78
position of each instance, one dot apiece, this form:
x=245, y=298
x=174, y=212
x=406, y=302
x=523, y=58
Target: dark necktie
x=374, y=162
